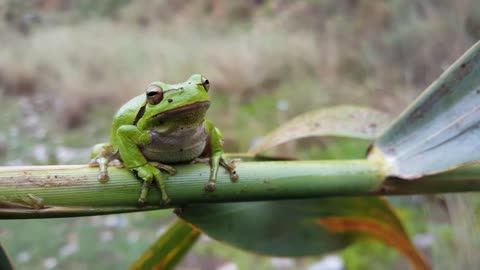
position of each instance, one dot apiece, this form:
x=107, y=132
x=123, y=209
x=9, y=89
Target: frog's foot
x=103, y=163
x=103, y=156
x=164, y=167
x=220, y=161
x=230, y=167
x=149, y=173
x=211, y=186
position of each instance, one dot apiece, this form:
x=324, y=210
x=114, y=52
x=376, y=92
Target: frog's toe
x=234, y=176
x=172, y=171
x=165, y=202
x=178, y=211
x=210, y=187
x=230, y=167
x=141, y=202
x=93, y=163
x=103, y=177
x=164, y=167
x=102, y=164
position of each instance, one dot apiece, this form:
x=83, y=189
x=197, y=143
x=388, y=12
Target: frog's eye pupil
x=154, y=94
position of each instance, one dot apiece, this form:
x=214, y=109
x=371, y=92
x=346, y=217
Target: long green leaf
x=169, y=249
x=440, y=131
x=348, y=121
x=302, y=227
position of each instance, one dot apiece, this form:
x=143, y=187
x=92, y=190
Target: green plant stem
x=61, y=191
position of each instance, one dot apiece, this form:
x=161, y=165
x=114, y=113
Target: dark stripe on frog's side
x=139, y=115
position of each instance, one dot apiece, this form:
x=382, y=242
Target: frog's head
x=187, y=101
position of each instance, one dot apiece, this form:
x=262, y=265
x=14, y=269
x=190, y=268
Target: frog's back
x=126, y=115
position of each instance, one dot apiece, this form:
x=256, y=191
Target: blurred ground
x=66, y=65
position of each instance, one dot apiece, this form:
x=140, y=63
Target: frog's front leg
x=129, y=137
x=102, y=156
x=217, y=157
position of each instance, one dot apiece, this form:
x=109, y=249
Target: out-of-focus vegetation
x=66, y=65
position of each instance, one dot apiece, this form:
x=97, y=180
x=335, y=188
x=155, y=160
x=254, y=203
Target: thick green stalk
x=60, y=191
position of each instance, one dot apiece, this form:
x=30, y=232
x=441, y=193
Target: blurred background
x=66, y=66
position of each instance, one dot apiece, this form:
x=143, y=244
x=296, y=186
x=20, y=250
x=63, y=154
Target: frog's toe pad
x=210, y=187
x=141, y=202
x=103, y=177
x=93, y=163
x=165, y=202
x=234, y=176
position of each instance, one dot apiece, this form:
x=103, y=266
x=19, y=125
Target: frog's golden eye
x=154, y=94
x=205, y=83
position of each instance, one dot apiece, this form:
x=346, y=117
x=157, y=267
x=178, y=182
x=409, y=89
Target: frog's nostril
x=170, y=100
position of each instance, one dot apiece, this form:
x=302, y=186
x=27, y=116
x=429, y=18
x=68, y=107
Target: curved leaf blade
x=169, y=249
x=382, y=232
x=296, y=228
x=440, y=130
x=345, y=120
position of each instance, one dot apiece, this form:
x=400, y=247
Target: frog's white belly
x=181, y=144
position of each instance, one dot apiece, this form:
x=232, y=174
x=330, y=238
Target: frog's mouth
x=194, y=108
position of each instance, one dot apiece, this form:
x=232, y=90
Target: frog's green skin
x=165, y=125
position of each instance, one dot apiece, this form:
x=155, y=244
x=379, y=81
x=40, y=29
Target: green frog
x=166, y=125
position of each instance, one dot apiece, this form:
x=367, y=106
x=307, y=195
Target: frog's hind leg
x=160, y=181
x=149, y=173
x=103, y=156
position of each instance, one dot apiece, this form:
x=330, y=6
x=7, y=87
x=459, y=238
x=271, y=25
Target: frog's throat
x=186, y=108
